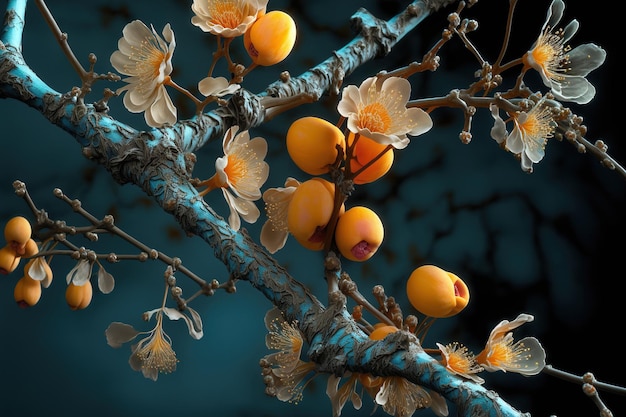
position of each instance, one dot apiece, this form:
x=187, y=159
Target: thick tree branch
x=160, y=162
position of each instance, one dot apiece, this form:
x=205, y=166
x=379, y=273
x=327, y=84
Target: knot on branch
x=434, y=5
x=245, y=109
x=373, y=29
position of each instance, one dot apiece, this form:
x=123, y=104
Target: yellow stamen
x=374, y=117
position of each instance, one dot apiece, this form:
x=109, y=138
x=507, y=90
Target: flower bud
x=435, y=292
x=270, y=38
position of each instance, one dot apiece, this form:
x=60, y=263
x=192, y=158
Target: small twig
x=566, y=376
x=61, y=38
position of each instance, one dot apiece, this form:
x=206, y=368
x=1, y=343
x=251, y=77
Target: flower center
x=537, y=126
x=374, y=117
x=226, y=13
x=236, y=169
x=147, y=63
x=550, y=54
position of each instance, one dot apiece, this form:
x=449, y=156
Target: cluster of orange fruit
x=37, y=273
x=313, y=145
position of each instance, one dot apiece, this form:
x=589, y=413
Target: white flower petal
x=119, y=333
x=106, y=282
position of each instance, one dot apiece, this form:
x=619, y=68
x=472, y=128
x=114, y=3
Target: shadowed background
x=543, y=243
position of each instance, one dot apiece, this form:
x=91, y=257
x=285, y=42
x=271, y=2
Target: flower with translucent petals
x=274, y=232
x=400, y=397
x=378, y=111
x=348, y=391
x=147, y=59
x=240, y=173
x=285, y=338
x=459, y=361
x=226, y=18
x=216, y=87
x=153, y=354
x=564, y=69
x=285, y=373
x=525, y=357
x=530, y=134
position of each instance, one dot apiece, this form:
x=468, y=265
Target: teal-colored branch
x=160, y=162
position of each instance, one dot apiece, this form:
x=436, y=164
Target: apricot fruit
x=312, y=144
x=309, y=212
x=435, y=292
x=8, y=260
x=380, y=332
x=270, y=38
x=366, y=150
x=17, y=232
x=78, y=297
x=27, y=292
x=359, y=233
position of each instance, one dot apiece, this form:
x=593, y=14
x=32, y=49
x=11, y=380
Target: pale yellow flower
x=459, y=361
x=564, y=69
x=274, y=232
x=378, y=111
x=147, y=59
x=525, y=357
x=240, y=173
x=530, y=134
x=227, y=18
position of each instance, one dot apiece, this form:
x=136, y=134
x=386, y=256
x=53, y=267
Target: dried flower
x=525, y=357
x=147, y=59
x=274, y=232
x=564, y=69
x=153, y=354
x=378, y=111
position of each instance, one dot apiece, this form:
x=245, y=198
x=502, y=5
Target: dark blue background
x=549, y=243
